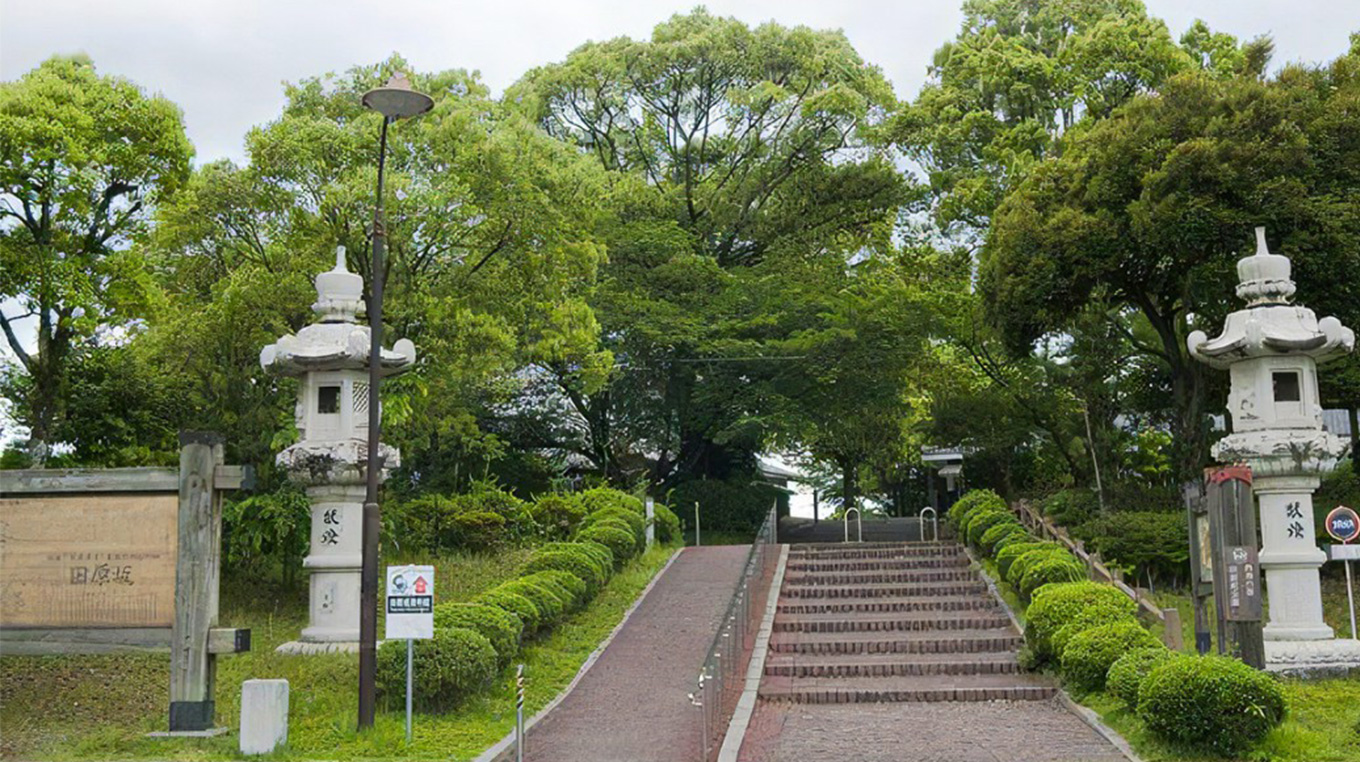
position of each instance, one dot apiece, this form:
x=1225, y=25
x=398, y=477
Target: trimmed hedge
x=997, y=532
x=1054, y=606
x=980, y=521
x=456, y=663
x=501, y=628
x=1089, y=654
x=601, y=498
x=1014, y=538
x=633, y=522
x=619, y=541
x=971, y=499
x=570, y=584
x=575, y=562
x=667, y=524
x=1009, y=554
x=1022, y=564
x=600, y=555
x=1210, y=702
x=558, y=515
x=552, y=604
x=1056, y=569
x=1129, y=671
x=1084, y=620
x=516, y=604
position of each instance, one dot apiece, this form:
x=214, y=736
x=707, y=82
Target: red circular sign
x=1343, y=524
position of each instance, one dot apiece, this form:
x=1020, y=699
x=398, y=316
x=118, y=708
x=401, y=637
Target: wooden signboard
x=88, y=560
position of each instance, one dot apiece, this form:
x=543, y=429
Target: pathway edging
x=746, y=705
x=501, y=749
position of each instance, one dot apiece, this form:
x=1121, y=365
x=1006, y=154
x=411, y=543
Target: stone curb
x=746, y=704
x=502, y=750
x=1085, y=714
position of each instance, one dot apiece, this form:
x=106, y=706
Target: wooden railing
x=1097, y=570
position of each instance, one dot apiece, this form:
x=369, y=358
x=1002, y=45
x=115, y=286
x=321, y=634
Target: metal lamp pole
x=394, y=101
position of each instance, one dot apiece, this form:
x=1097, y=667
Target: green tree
x=84, y=160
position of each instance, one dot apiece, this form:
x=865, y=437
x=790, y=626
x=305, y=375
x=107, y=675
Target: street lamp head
x=396, y=99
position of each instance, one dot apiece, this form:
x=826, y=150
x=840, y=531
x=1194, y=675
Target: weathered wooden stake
x=193, y=667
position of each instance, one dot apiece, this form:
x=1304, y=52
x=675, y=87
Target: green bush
x=453, y=665
x=516, y=604
x=498, y=626
x=1015, y=537
x=557, y=516
x=1089, y=654
x=1056, y=569
x=667, y=524
x=1021, y=565
x=987, y=542
x=1210, y=702
x=620, y=542
x=1008, y=555
x=736, y=506
x=575, y=562
x=551, y=603
x=1093, y=616
x=598, y=554
x=1054, y=606
x=601, y=498
x=480, y=520
x=1129, y=671
x=569, y=583
x=267, y=532
x=981, y=521
x=478, y=530
x=973, y=499
x=1071, y=507
x=1146, y=541
x=633, y=522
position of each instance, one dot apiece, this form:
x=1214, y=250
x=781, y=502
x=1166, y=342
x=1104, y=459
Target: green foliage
x=1058, y=568
x=1126, y=675
x=1007, y=556
x=514, y=603
x=615, y=516
x=267, y=533
x=1009, y=538
x=724, y=506
x=1085, y=619
x=667, y=524
x=600, y=554
x=1054, y=606
x=973, y=498
x=619, y=541
x=994, y=534
x=1021, y=566
x=1147, y=541
x=601, y=498
x=1070, y=507
x=501, y=628
x=550, y=601
x=979, y=522
x=577, y=562
x=448, y=668
x=1213, y=703
x=1087, y=658
x=565, y=581
x=558, y=516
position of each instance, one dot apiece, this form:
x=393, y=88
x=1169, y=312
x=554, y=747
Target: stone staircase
x=878, y=622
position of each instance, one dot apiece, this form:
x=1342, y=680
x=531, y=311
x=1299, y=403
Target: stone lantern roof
x=337, y=341
x=1270, y=326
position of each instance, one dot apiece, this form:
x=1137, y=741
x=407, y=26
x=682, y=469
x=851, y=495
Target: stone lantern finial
x=1265, y=277
x=339, y=293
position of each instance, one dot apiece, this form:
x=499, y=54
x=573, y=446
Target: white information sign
x=410, y=602
x=1345, y=552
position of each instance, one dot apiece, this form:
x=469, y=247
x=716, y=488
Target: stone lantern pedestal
x=1271, y=350
x=330, y=358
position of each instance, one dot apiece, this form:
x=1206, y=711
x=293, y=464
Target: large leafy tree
x=84, y=160
x=1147, y=211
x=732, y=149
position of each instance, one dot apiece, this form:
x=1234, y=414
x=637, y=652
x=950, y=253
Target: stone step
x=879, y=550
x=850, y=690
x=965, y=642
x=933, y=621
x=882, y=591
x=887, y=605
x=881, y=578
x=878, y=564
x=890, y=665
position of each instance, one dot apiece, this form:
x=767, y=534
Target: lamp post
x=394, y=100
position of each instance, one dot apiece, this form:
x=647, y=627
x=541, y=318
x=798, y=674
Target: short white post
x=264, y=715
x=651, y=522
x=696, y=523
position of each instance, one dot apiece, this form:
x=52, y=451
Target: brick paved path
x=897, y=651
x=633, y=706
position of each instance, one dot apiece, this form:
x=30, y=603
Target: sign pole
x=410, y=661
x=1350, y=597
x=519, y=713
x=410, y=616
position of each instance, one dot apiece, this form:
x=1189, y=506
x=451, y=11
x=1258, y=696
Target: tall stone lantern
x=330, y=357
x=1271, y=350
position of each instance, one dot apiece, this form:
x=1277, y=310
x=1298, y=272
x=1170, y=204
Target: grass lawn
x=100, y=707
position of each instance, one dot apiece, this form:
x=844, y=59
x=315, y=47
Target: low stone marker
x=264, y=715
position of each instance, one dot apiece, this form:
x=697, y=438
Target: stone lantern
x=330, y=357
x=1271, y=350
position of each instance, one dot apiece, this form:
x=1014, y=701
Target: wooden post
x=1172, y=635
x=198, y=557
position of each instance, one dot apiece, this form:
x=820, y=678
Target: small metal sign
x=410, y=602
x=1243, y=583
x=1343, y=524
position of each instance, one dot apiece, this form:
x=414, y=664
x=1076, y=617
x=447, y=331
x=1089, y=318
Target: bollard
x=264, y=715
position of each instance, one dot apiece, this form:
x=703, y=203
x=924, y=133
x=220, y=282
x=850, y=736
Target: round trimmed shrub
x=568, y=583
x=1129, y=671
x=1210, y=702
x=1021, y=565
x=574, y=562
x=667, y=524
x=1084, y=620
x=997, y=531
x=604, y=497
x=552, y=603
x=634, y=522
x=1089, y=654
x=1054, y=606
x=619, y=541
x=1016, y=536
x=598, y=554
x=983, y=521
x=516, y=604
x=1055, y=569
x=478, y=530
x=501, y=628
x=971, y=499
x=558, y=515
x=453, y=665
x=1008, y=556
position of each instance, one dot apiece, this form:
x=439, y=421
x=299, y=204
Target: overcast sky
x=223, y=61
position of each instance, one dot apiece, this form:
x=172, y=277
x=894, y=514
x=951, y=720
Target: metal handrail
x=934, y=524
x=859, y=524
x=722, y=676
